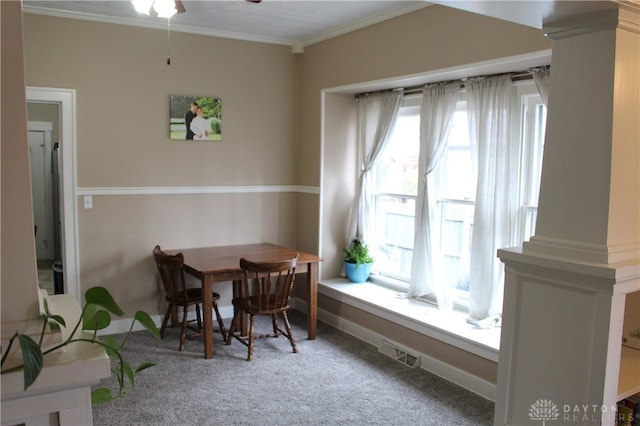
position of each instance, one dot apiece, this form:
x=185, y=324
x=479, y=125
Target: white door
x=41, y=188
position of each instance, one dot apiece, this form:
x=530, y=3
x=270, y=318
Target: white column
x=565, y=288
x=590, y=188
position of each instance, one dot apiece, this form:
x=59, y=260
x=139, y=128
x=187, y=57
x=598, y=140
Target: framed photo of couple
x=195, y=118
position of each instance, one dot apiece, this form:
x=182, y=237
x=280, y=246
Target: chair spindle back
x=268, y=284
x=170, y=268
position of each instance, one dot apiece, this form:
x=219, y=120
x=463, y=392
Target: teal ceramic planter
x=357, y=273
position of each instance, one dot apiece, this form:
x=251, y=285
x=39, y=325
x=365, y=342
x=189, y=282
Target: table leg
x=207, y=313
x=239, y=292
x=312, y=303
x=174, y=316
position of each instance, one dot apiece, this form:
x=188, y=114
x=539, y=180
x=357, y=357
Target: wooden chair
x=171, y=269
x=265, y=291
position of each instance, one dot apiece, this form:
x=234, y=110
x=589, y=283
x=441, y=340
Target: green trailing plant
x=96, y=315
x=357, y=253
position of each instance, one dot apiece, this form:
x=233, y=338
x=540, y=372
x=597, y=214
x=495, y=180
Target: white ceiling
x=289, y=22
x=299, y=23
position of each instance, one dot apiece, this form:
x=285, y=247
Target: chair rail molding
x=179, y=190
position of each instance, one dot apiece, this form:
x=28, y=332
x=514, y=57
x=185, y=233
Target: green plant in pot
x=95, y=316
x=357, y=261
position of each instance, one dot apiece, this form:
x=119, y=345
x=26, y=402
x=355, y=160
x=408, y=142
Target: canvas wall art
x=195, y=118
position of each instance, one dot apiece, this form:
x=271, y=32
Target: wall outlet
x=88, y=202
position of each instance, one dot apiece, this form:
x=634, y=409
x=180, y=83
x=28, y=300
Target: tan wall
x=122, y=88
x=19, y=281
x=118, y=234
x=338, y=184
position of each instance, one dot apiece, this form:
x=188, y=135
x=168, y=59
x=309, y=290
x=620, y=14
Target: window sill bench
x=449, y=327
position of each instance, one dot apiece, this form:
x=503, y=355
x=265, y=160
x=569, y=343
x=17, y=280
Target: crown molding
x=626, y=17
x=161, y=24
x=364, y=23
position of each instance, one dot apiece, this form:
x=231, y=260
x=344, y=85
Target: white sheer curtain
x=489, y=108
x=541, y=77
x=436, y=114
x=377, y=116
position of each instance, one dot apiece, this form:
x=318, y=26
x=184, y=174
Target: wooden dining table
x=222, y=264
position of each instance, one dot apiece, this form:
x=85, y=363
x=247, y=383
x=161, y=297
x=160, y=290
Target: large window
x=396, y=177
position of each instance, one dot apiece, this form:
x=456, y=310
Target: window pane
x=397, y=170
x=456, y=194
x=396, y=178
x=539, y=125
x=531, y=214
x=459, y=131
x=455, y=243
x=458, y=182
x=533, y=137
x=456, y=175
x=394, y=239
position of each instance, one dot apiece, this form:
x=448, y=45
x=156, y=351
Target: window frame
x=532, y=131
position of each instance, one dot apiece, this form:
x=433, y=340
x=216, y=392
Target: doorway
x=43, y=144
x=54, y=213
x=42, y=183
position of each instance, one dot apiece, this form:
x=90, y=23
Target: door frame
x=66, y=99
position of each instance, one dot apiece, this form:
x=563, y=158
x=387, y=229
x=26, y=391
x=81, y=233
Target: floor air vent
x=399, y=354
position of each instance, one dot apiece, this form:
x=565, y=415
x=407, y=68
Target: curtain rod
x=515, y=76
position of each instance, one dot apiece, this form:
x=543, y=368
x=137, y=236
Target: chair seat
x=193, y=295
x=264, y=305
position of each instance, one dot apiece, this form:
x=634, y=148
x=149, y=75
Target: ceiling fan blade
x=180, y=7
